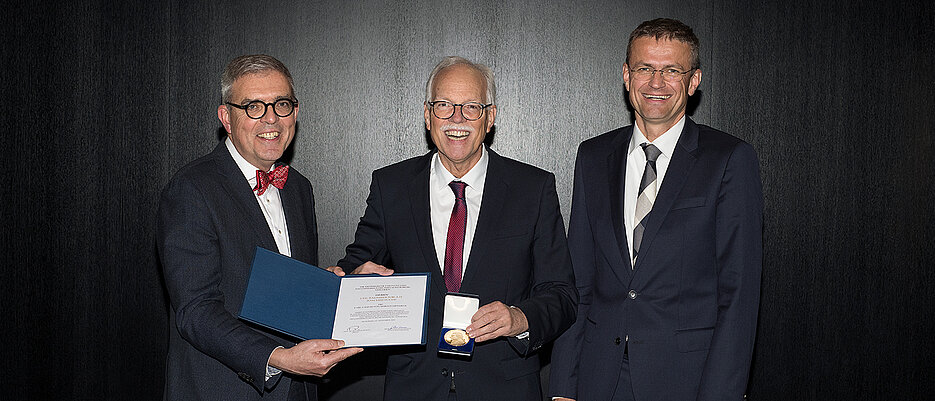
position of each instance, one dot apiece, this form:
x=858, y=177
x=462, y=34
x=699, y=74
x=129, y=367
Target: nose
x=656, y=80
x=458, y=116
x=269, y=114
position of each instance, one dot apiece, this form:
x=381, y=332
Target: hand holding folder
x=311, y=357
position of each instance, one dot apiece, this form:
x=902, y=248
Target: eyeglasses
x=668, y=74
x=471, y=111
x=257, y=108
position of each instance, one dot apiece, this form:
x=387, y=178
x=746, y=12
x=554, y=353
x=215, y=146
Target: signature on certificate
x=397, y=328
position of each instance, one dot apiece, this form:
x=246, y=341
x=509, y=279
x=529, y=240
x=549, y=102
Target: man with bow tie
x=212, y=216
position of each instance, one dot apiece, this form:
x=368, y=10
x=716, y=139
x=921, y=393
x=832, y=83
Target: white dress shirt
x=270, y=202
x=271, y=205
x=636, y=163
x=442, y=200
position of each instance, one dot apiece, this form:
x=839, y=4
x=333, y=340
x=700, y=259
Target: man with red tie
x=480, y=224
x=212, y=216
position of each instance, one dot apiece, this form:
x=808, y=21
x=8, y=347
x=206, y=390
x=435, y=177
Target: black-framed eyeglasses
x=257, y=108
x=471, y=111
x=668, y=74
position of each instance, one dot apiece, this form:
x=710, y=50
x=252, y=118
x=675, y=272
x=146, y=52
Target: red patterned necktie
x=454, y=246
x=277, y=177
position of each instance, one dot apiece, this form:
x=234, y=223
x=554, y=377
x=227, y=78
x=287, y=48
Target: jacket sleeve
x=739, y=250
x=550, y=308
x=190, y=251
x=563, y=381
x=370, y=238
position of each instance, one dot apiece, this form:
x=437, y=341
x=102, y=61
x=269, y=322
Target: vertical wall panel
x=105, y=101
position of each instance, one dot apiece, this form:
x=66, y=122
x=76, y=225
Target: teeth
x=658, y=97
x=269, y=135
x=457, y=134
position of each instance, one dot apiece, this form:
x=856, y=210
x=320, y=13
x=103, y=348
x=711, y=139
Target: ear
x=428, y=119
x=626, y=76
x=225, y=116
x=491, y=116
x=695, y=81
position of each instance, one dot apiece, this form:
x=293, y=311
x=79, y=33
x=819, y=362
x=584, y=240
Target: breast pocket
x=685, y=203
x=510, y=234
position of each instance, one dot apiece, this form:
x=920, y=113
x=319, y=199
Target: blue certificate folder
x=301, y=300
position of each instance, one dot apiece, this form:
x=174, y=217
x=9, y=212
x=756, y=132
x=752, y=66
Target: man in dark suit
x=482, y=224
x=212, y=216
x=666, y=242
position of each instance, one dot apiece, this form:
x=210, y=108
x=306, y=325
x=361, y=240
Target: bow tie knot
x=277, y=177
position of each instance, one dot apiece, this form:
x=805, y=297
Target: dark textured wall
x=104, y=101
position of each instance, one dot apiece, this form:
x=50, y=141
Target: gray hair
x=251, y=64
x=455, y=60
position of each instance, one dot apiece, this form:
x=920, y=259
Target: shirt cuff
x=271, y=371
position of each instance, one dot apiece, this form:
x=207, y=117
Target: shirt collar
x=665, y=142
x=248, y=170
x=474, y=178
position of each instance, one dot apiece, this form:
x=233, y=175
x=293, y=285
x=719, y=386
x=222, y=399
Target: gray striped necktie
x=644, y=203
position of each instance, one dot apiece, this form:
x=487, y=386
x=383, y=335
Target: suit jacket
x=209, y=225
x=519, y=257
x=689, y=305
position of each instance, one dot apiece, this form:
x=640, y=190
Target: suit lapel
x=616, y=177
x=495, y=190
x=683, y=158
x=291, y=208
x=242, y=197
x=422, y=221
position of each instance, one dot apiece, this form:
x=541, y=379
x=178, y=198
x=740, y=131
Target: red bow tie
x=277, y=177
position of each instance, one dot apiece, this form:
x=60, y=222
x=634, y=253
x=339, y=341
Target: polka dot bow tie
x=277, y=177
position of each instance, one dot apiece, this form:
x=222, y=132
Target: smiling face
x=659, y=104
x=262, y=141
x=458, y=140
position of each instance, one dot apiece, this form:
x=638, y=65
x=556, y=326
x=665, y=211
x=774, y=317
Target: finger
x=336, y=270
x=492, y=307
x=339, y=355
x=493, y=334
x=493, y=329
x=332, y=358
x=386, y=272
x=373, y=268
x=326, y=344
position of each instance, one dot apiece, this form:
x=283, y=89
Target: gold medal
x=456, y=337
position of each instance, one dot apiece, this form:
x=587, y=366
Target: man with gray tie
x=666, y=242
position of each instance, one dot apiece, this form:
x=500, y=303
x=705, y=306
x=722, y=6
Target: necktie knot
x=458, y=188
x=277, y=177
x=652, y=152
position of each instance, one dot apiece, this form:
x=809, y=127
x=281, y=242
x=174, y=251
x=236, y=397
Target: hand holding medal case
x=459, y=309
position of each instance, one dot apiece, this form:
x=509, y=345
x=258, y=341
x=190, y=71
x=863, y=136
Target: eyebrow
x=248, y=100
x=679, y=66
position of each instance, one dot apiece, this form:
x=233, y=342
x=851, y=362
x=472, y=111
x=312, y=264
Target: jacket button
x=632, y=294
x=617, y=341
x=245, y=377
x=444, y=372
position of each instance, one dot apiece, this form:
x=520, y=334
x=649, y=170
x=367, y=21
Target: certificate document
x=380, y=310
x=306, y=302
